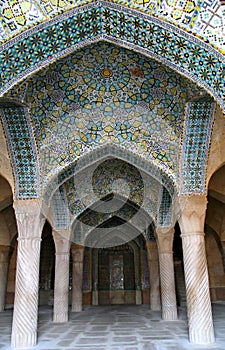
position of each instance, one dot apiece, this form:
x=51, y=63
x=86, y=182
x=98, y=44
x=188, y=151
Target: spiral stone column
x=78, y=257
x=195, y=267
x=4, y=262
x=30, y=224
x=61, y=287
x=167, y=280
x=153, y=265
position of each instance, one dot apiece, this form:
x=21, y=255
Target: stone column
x=95, y=276
x=223, y=254
x=153, y=266
x=61, y=287
x=78, y=258
x=167, y=280
x=4, y=262
x=30, y=223
x=195, y=268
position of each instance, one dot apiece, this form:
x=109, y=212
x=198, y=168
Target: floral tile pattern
x=204, y=18
x=106, y=96
x=42, y=45
x=103, y=94
x=196, y=139
x=23, y=151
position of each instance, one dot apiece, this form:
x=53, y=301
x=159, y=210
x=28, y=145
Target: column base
x=201, y=337
x=23, y=341
x=95, y=297
x=155, y=307
x=2, y=307
x=77, y=308
x=169, y=313
x=138, y=297
x=155, y=304
x=60, y=318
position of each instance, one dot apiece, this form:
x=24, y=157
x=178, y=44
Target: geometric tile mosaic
x=204, y=17
x=210, y=22
x=195, y=146
x=165, y=209
x=22, y=149
x=108, y=177
x=96, y=156
x=103, y=94
x=60, y=213
x=177, y=49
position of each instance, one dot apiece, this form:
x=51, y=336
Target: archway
x=214, y=229
x=8, y=231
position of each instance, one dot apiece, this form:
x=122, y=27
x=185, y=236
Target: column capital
x=75, y=247
x=77, y=253
x=164, y=231
x=164, y=236
x=151, y=245
x=27, y=206
x=192, y=202
x=62, y=241
x=193, y=210
x=29, y=218
x=152, y=251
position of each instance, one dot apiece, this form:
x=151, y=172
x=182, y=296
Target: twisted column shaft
x=30, y=224
x=197, y=285
x=61, y=287
x=196, y=272
x=4, y=262
x=77, y=256
x=153, y=265
x=167, y=280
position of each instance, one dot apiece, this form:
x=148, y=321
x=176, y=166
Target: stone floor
x=115, y=328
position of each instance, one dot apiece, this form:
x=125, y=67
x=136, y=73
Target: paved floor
x=115, y=328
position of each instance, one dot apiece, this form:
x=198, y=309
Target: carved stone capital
x=77, y=253
x=164, y=237
x=152, y=251
x=62, y=241
x=29, y=218
x=193, y=210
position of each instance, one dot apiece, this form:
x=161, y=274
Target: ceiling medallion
x=106, y=73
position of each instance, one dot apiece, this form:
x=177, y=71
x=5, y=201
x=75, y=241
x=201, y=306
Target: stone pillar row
x=30, y=224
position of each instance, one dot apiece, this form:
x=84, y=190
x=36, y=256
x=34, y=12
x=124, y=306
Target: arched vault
x=43, y=44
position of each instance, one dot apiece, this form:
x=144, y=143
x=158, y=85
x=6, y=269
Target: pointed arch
x=66, y=33
x=101, y=153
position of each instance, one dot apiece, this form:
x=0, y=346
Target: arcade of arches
x=112, y=175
